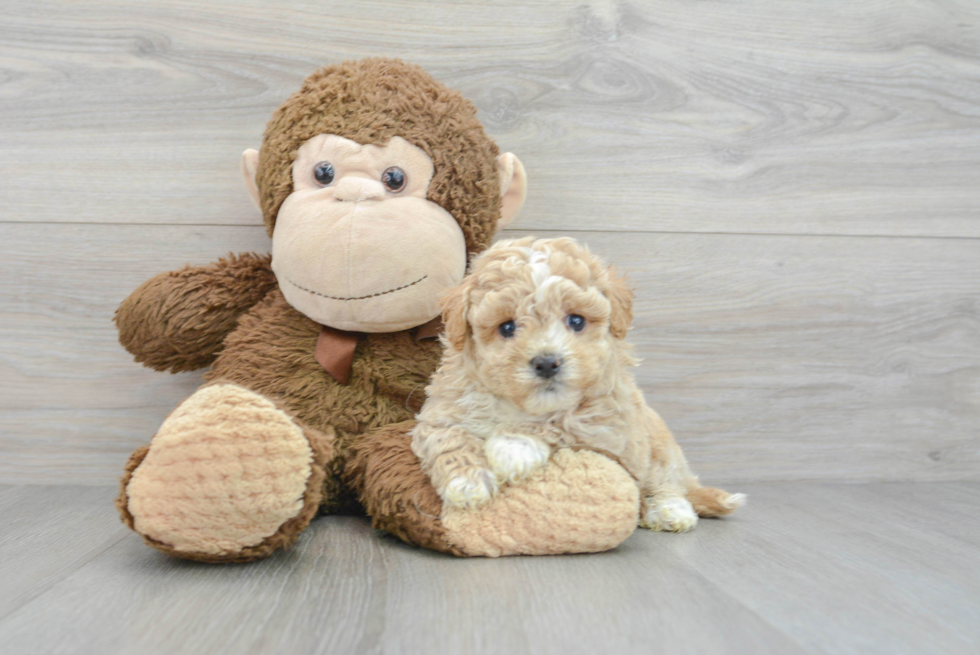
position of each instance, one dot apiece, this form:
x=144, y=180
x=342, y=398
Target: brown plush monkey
x=377, y=185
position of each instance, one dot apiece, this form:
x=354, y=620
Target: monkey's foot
x=579, y=502
x=229, y=477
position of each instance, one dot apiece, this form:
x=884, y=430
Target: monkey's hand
x=579, y=502
x=177, y=321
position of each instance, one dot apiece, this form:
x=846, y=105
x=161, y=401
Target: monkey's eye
x=394, y=179
x=507, y=329
x=323, y=172
x=576, y=322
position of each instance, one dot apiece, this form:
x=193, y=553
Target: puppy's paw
x=471, y=487
x=514, y=458
x=670, y=514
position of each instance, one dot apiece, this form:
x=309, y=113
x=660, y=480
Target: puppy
x=536, y=359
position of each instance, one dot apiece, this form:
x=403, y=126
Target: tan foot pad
x=226, y=470
x=581, y=502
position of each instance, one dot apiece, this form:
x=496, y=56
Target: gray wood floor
x=805, y=568
x=792, y=186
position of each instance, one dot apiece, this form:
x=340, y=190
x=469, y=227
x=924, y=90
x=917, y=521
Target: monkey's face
x=356, y=245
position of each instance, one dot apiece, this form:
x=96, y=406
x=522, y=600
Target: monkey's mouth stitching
x=373, y=295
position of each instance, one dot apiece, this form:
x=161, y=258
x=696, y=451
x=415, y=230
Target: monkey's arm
x=177, y=321
x=579, y=502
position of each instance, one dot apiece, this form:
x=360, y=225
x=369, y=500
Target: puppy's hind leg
x=710, y=502
x=674, y=491
x=673, y=499
x=667, y=510
x=672, y=509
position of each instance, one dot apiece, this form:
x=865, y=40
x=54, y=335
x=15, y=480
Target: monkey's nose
x=546, y=366
x=354, y=189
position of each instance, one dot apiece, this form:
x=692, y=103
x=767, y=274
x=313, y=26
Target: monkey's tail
x=710, y=502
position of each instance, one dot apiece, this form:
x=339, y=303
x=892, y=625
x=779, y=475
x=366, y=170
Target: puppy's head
x=540, y=322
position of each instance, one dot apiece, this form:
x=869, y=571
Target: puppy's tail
x=711, y=502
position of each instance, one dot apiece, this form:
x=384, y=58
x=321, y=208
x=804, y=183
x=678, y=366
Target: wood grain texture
x=856, y=568
x=804, y=568
x=772, y=358
x=49, y=532
x=842, y=118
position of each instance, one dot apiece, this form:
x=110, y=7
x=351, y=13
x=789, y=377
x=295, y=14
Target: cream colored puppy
x=536, y=359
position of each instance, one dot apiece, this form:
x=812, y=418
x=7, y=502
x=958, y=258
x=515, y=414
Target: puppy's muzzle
x=546, y=366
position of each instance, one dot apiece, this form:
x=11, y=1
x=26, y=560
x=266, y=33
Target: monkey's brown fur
x=178, y=321
x=372, y=100
x=232, y=315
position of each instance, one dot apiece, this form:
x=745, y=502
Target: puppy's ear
x=621, y=298
x=455, y=305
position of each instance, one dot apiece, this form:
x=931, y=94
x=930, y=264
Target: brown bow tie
x=335, y=348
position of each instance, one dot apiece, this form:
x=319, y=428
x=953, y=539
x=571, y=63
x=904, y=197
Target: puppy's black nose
x=546, y=366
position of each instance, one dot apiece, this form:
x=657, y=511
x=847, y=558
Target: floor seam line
x=79, y=565
x=742, y=604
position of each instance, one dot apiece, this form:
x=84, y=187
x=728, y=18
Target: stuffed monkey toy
x=377, y=185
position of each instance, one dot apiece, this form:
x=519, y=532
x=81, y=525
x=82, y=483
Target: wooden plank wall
x=794, y=188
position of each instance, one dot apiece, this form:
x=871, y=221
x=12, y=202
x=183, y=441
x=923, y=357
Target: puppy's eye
x=324, y=174
x=507, y=329
x=576, y=322
x=393, y=179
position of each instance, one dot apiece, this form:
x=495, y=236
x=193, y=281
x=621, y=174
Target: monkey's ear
x=513, y=187
x=250, y=165
x=455, y=306
x=621, y=298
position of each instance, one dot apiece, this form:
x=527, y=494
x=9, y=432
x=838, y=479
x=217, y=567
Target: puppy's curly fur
x=536, y=359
